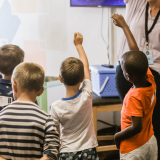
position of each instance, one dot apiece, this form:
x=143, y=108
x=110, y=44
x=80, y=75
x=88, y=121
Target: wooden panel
x=95, y=119
x=106, y=148
x=109, y=108
x=108, y=137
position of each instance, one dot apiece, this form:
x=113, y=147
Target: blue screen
x=97, y=3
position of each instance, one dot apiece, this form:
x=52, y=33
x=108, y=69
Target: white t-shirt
x=75, y=117
x=135, y=18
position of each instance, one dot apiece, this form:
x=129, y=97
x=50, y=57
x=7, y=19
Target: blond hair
x=10, y=57
x=29, y=76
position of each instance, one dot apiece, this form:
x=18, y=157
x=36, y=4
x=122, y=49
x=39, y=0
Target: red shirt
x=138, y=102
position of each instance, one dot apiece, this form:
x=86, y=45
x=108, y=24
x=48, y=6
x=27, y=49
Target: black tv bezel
x=99, y=6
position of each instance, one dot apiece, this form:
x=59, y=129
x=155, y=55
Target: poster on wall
x=97, y=3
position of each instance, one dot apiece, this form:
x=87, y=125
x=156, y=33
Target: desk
x=108, y=104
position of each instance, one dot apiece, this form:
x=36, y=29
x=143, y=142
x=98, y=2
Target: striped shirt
x=27, y=132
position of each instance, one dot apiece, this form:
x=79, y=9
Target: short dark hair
x=72, y=71
x=10, y=57
x=135, y=63
x=29, y=76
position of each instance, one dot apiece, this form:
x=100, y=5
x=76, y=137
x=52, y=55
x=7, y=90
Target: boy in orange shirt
x=136, y=139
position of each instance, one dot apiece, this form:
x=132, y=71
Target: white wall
x=88, y=22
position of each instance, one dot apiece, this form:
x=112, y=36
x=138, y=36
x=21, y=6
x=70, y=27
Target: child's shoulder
x=57, y=103
x=25, y=107
x=134, y=94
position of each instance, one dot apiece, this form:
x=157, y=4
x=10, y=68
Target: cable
x=107, y=45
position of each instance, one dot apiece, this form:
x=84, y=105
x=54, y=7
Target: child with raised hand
x=74, y=112
x=136, y=139
x=27, y=132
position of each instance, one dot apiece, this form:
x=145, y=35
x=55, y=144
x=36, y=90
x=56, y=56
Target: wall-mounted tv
x=94, y=3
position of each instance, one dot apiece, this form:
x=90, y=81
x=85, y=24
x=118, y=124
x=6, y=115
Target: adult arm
x=78, y=39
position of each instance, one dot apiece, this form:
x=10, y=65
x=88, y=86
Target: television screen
x=97, y=3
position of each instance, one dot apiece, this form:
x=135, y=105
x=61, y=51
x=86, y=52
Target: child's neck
x=7, y=77
x=141, y=83
x=71, y=91
x=27, y=97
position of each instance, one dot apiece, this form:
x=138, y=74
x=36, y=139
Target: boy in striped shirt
x=27, y=132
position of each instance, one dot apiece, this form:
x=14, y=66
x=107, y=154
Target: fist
x=78, y=39
x=119, y=21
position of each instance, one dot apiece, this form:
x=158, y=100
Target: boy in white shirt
x=74, y=112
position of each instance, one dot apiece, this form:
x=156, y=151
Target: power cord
x=107, y=45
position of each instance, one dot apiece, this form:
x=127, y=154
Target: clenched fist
x=78, y=39
x=119, y=21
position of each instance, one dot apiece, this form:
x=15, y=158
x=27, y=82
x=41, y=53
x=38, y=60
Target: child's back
x=75, y=116
x=26, y=131
x=24, y=126
x=139, y=102
x=74, y=112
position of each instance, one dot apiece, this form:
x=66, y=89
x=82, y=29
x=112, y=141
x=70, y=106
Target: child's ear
x=128, y=76
x=60, y=79
x=14, y=86
x=41, y=91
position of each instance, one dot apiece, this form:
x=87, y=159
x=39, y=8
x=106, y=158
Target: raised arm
x=119, y=21
x=78, y=39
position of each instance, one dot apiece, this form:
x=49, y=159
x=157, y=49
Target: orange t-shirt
x=138, y=102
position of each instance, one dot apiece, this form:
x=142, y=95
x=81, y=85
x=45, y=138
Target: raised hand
x=118, y=20
x=78, y=39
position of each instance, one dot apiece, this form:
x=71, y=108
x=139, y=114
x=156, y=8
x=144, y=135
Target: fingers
x=115, y=16
x=75, y=35
x=114, y=22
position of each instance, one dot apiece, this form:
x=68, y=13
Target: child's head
x=28, y=78
x=10, y=57
x=134, y=65
x=72, y=71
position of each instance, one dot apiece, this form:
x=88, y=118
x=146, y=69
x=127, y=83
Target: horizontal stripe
x=51, y=134
x=48, y=127
x=22, y=127
x=22, y=144
x=20, y=148
x=21, y=120
x=22, y=134
x=20, y=155
x=21, y=151
x=21, y=114
x=49, y=120
x=20, y=141
x=26, y=109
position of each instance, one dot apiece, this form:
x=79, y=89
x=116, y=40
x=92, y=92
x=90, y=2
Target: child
x=27, y=132
x=74, y=112
x=136, y=140
x=10, y=57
